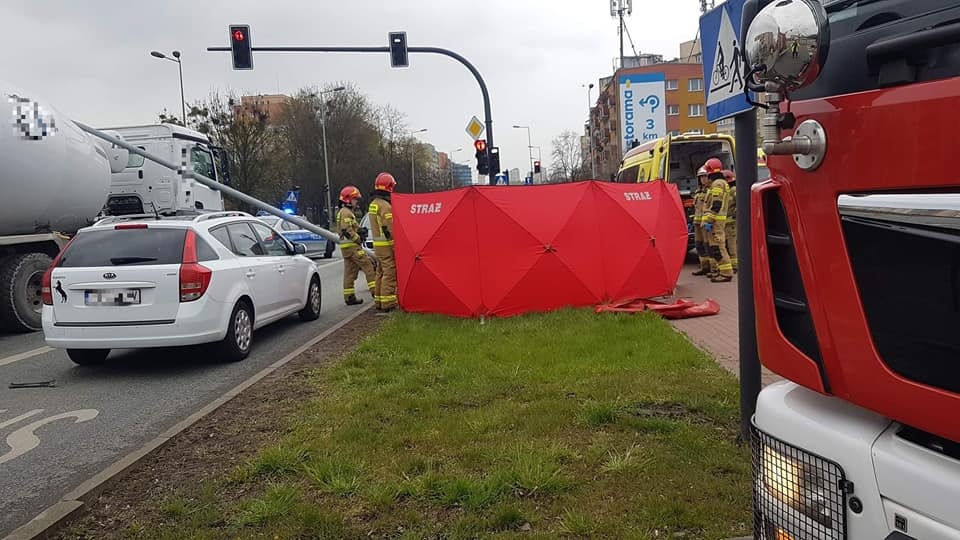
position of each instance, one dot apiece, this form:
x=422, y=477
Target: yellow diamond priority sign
x=475, y=128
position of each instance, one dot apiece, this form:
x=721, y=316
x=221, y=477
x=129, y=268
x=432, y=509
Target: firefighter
x=730, y=228
x=714, y=219
x=381, y=227
x=351, y=241
x=707, y=263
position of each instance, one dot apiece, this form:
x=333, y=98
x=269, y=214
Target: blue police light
x=288, y=211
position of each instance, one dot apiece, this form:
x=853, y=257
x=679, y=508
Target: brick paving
x=716, y=334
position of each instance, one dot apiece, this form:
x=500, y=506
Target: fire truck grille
x=790, y=297
x=796, y=494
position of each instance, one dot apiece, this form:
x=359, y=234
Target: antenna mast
x=617, y=9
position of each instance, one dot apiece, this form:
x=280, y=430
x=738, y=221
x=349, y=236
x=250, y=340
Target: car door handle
x=251, y=274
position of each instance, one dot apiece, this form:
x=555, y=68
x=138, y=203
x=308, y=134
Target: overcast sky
x=91, y=58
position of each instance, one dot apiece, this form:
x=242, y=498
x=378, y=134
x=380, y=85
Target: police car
x=317, y=246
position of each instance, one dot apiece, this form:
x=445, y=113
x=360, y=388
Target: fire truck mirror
x=787, y=43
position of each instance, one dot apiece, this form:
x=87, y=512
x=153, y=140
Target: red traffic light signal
x=240, y=46
x=536, y=166
x=480, y=145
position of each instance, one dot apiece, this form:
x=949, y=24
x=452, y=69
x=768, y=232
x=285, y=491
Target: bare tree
x=567, y=158
x=272, y=154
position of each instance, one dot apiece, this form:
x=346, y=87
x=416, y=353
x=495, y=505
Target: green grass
x=564, y=424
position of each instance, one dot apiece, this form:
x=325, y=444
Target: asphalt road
x=53, y=439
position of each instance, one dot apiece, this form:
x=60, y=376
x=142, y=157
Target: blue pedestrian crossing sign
x=293, y=197
x=723, y=61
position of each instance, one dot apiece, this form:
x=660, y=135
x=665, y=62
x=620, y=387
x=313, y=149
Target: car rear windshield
x=125, y=247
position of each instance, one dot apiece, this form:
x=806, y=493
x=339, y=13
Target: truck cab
x=147, y=187
x=856, y=251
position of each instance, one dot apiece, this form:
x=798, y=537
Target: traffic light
x=398, y=50
x=240, y=46
x=483, y=167
x=536, y=166
x=494, y=164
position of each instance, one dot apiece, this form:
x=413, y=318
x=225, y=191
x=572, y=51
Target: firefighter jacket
x=699, y=199
x=347, y=227
x=731, y=203
x=381, y=221
x=715, y=205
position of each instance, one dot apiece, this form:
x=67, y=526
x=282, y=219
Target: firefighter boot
x=352, y=300
x=718, y=249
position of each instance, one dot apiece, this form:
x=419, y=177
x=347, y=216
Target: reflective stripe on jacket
x=347, y=227
x=381, y=222
x=715, y=209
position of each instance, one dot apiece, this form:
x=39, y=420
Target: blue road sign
x=723, y=63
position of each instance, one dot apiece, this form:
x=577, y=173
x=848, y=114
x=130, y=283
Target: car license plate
x=112, y=297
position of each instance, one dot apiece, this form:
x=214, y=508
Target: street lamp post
x=593, y=163
x=529, y=147
x=413, y=173
x=176, y=58
x=326, y=163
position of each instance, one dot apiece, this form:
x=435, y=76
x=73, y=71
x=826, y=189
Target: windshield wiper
x=117, y=261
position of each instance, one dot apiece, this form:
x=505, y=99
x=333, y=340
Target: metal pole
x=183, y=101
x=530, y=151
x=593, y=162
x=488, y=116
x=745, y=132
x=213, y=184
x=326, y=164
x=413, y=174
x=621, y=36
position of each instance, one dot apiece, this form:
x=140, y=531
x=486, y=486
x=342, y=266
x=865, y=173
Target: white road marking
x=24, y=355
x=23, y=416
x=24, y=440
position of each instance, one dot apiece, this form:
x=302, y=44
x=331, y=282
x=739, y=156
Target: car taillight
x=46, y=285
x=194, y=277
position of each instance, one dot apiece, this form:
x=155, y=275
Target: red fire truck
x=856, y=250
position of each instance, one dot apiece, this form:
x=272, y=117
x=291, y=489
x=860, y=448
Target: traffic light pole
x=488, y=117
x=745, y=132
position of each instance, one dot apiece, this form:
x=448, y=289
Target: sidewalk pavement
x=716, y=334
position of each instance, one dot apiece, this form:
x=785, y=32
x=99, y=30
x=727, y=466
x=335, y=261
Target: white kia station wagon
x=130, y=283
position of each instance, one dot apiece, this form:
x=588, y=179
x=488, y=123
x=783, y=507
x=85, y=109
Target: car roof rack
x=125, y=217
x=214, y=215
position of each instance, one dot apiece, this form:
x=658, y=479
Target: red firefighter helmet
x=713, y=165
x=385, y=182
x=349, y=194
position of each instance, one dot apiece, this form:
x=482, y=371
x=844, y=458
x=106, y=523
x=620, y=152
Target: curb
x=55, y=515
